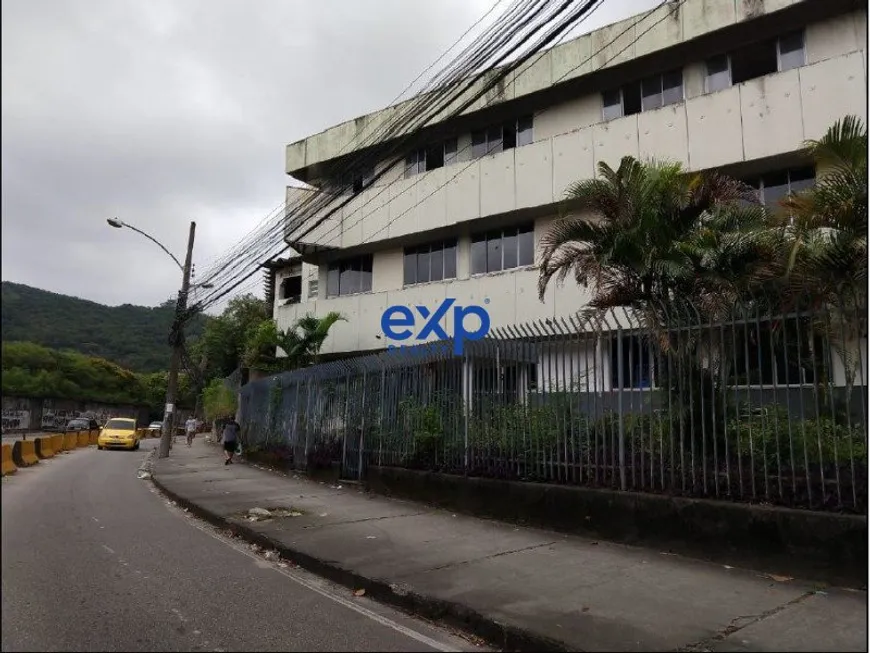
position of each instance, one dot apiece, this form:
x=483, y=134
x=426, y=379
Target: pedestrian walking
x=230, y=440
x=190, y=429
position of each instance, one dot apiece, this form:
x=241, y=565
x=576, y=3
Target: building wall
x=764, y=117
x=604, y=48
x=761, y=119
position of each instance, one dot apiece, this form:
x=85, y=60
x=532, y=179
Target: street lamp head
x=207, y=285
x=114, y=222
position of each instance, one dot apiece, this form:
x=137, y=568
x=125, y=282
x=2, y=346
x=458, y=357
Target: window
x=634, y=367
x=352, y=182
x=451, y=151
x=502, y=137
x=651, y=93
x=791, y=51
x=612, y=104
x=349, y=276
x=718, y=73
x=776, y=186
x=430, y=262
x=291, y=290
x=312, y=288
x=785, y=355
x=503, y=249
x=756, y=60
x=525, y=130
x=361, y=181
x=415, y=163
x=432, y=157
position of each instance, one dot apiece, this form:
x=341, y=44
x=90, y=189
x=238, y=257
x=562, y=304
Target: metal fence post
x=362, y=430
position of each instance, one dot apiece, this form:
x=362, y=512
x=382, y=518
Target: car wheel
x=136, y=446
x=99, y=447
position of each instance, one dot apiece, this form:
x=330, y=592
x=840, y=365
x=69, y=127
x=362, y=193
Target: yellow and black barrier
x=57, y=443
x=83, y=438
x=43, y=446
x=70, y=441
x=24, y=453
x=8, y=464
x=94, y=435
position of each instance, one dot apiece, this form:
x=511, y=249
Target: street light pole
x=177, y=342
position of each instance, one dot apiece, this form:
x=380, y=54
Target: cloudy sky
x=164, y=111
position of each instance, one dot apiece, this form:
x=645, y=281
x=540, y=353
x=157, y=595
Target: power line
x=543, y=40
x=319, y=201
x=502, y=73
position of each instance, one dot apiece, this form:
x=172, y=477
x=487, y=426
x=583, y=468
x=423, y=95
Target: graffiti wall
x=20, y=414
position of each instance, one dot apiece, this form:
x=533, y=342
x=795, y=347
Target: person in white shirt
x=190, y=429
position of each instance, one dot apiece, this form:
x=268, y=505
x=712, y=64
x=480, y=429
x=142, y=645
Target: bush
x=770, y=436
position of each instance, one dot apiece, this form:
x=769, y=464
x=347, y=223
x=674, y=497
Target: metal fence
x=756, y=407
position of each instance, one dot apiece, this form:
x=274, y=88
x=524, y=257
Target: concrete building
x=731, y=84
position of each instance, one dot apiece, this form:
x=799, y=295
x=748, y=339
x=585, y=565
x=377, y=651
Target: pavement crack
x=366, y=519
x=739, y=623
x=489, y=557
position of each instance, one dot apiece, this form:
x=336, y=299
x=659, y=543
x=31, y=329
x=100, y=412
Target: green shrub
x=770, y=435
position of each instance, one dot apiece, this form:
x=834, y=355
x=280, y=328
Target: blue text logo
x=399, y=322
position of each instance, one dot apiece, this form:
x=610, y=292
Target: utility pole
x=177, y=343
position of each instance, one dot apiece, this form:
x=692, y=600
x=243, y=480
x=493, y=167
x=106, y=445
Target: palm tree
x=824, y=236
x=303, y=340
x=647, y=235
x=825, y=227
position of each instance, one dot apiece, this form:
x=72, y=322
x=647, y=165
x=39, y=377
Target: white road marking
x=359, y=609
x=109, y=549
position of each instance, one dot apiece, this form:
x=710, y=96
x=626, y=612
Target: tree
x=824, y=237
x=260, y=347
x=30, y=370
x=224, y=340
x=303, y=340
x=301, y=343
x=825, y=226
x=648, y=234
x=219, y=401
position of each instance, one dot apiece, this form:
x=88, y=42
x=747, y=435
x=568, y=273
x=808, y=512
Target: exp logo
x=400, y=322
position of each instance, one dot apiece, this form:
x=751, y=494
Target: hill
x=134, y=337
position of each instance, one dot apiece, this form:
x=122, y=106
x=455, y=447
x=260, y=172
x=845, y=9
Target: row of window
x=502, y=249
x=769, y=358
x=495, y=139
x=776, y=186
x=722, y=71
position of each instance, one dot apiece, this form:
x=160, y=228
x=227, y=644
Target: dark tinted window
x=349, y=276
x=478, y=255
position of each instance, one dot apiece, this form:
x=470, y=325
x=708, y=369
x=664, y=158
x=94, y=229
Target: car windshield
x=123, y=424
x=78, y=422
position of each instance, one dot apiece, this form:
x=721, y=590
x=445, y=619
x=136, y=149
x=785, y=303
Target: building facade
x=736, y=85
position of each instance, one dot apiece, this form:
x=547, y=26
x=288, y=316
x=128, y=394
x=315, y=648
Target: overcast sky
x=163, y=111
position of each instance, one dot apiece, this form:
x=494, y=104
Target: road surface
x=94, y=559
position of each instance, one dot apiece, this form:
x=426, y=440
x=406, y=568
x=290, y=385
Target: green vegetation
x=30, y=370
x=668, y=243
x=218, y=400
x=300, y=343
x=134, y=337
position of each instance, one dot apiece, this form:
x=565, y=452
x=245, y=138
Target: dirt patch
x=267, y=514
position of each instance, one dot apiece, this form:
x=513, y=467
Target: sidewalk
x=518, y=587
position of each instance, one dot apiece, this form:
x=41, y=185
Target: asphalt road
x=94, y=559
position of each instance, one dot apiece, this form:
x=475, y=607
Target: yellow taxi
x=119, y=433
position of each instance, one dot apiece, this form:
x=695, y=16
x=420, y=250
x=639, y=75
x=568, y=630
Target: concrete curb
x=455, y=615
